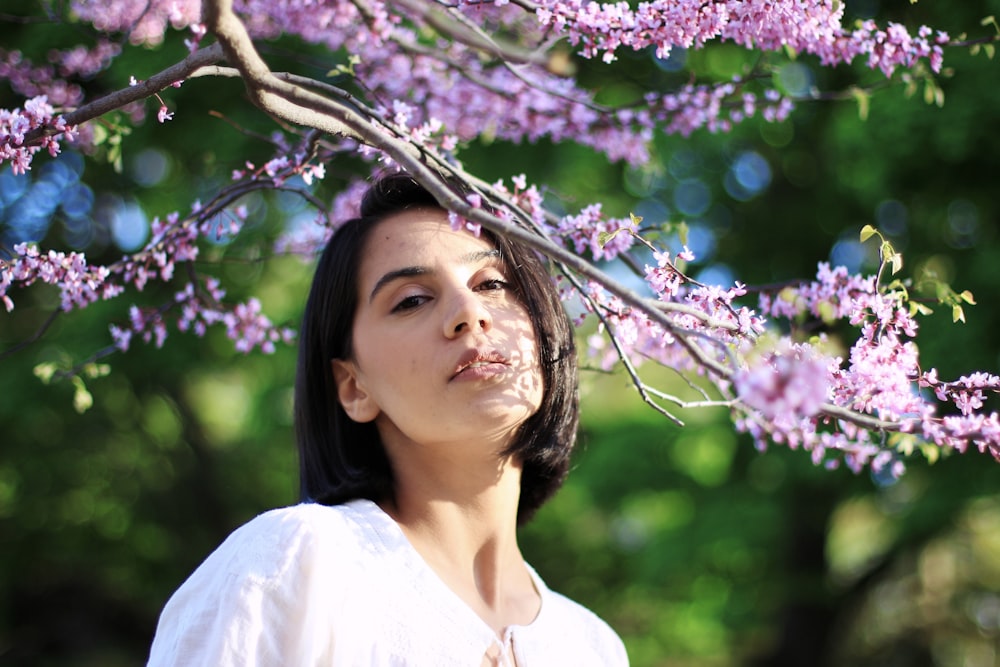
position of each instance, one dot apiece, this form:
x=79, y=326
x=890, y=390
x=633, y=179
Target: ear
x=357, y=403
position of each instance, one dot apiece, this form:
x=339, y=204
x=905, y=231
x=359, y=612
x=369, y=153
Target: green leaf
x=603, y=238
x=115, y=156
x=929, y=92
x=931, y=452
x=94, y=370
x=863, y=99
x=904, y=443
x=896, y=259
x=897, y=285
x=45, y=371
x=347, y=69
x=889, y=254
x=827, y=312
x=82, y=399
x=867, y=232
x=682, y=232
x=100, y=133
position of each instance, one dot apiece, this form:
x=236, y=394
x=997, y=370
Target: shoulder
x=268, y=591
x=282, y=548
x=269, y=547
x=567, y=626
x=586, y=622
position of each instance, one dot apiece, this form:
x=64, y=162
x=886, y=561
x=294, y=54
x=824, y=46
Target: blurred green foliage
x=698, y=549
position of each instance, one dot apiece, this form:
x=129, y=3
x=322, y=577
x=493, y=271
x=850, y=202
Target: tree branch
x=452, y=23
x=35, y=337
x=265, y=90
x=293, y=99
x=140, y=91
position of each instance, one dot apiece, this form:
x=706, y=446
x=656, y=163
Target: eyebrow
x=410, y=271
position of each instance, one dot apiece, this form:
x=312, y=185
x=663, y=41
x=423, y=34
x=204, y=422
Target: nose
x=467, y=313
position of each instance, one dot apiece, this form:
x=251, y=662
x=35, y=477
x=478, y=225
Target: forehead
x=418, y=237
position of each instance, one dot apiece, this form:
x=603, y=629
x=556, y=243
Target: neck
x=463, y=522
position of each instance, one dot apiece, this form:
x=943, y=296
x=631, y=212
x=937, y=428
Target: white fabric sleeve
x=567, y=633
x=252, y=602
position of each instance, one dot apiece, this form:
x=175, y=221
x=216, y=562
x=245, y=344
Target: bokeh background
x=698, y=549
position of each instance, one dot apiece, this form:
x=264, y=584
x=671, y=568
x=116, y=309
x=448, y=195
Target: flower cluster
x=174, y=240
x=147, y=323
x=55, y=80
x=144, y=21
x=282, y=168
x=664, y=278
x=80, y=284
x=245, y=324
x=786, y=384
x=592, y=232
x=770, y=25
x=716, y=108
x=15, y=124
x=882, y=376
x=705, y=321
x=967, y=392
x=457, y=93
x=201, y=308
x=438, y=80
x=780, y=390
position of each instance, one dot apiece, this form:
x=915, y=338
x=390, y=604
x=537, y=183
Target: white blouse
x=341, y=585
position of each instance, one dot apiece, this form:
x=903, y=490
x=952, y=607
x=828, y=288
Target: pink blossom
x=16, y=124
x=437, y=99
x=787, y=383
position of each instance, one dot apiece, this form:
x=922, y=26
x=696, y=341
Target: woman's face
x=443, y=351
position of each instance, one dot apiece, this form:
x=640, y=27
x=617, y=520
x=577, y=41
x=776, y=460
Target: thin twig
x=35, y=337
x=141, y=90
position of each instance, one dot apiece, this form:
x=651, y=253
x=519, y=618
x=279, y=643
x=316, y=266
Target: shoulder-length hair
x=340, y=459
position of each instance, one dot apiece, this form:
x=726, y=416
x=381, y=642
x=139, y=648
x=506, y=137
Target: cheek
x=396, y=363
x=532, y=382
x=528, y=339
x=524, y=333
x=529, y=349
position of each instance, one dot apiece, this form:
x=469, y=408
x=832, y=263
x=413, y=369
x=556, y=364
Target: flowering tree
x=410, y=85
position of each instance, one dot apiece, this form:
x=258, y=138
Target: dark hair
x=340, y=459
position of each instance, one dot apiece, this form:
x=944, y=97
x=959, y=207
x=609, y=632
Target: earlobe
x=357, y=403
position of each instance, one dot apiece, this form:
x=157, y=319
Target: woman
x=435, y=410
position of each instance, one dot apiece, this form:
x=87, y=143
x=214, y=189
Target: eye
x=410, y=302
x=491, y=284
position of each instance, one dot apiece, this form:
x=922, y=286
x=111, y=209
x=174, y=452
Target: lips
x=480, y=363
